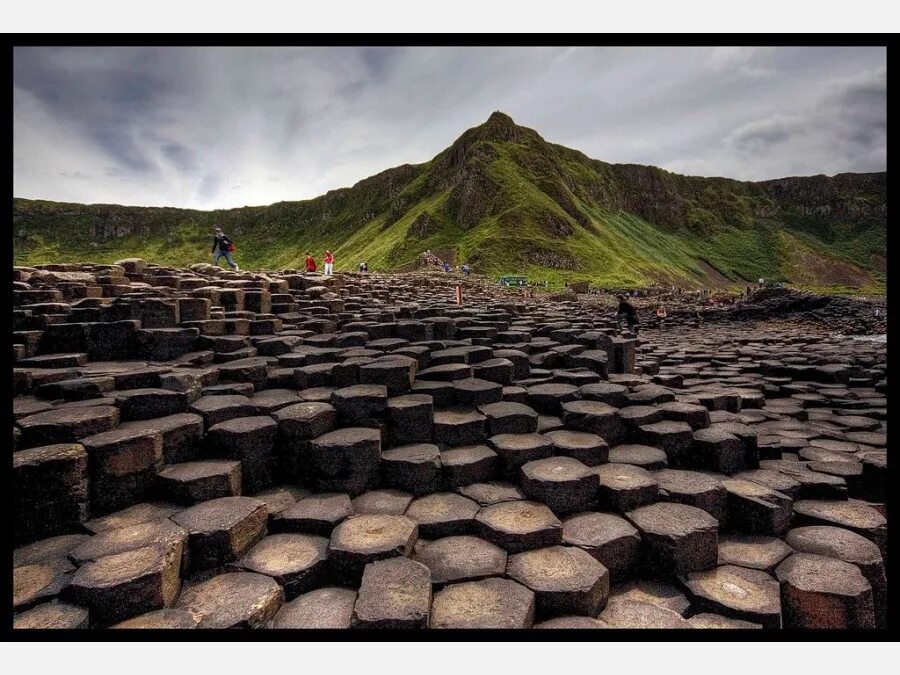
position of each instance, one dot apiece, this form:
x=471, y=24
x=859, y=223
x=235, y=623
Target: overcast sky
x=224, y=127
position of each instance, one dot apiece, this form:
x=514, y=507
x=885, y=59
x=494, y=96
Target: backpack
x=230, y=247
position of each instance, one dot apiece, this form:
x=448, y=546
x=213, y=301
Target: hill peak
x=501, y=127
x=507, y=201
x=500, y=118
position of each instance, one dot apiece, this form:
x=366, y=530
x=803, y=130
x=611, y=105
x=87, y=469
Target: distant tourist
x=466, y=269
x=661, y=315
x=329, y=262
x=310, y=263
x=363, y=267
x=627, y=313
x=223, y=247
x=446, y=266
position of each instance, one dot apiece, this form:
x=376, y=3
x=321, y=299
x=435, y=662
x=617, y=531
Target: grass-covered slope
x=511, y=203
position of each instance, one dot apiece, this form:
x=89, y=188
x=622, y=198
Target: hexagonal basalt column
x=222, y=530
x=755, y=508
x=822, y=592
x=443, y=515
x=362, y=539
x=611, y=540
x=453, y=428
x=562, y=483
x=412, y=468
x=694, y=489
x=836, y=542
x=467, y=465
x=565, y=580
x=507, y=417
x=251, y=441
x=410, y=419
x=624, y=487
x=123, y=585
x=345, y=460
x=596, y=418
x=677, y=538
x=51, y=495
x=463, y=558
x=322, y=608
x=737, y=592
x=394, y=593
x=516, y=450
x=587, y=448
x=233, y=600
x=296, y=561
x=518, y=525
x=490, y=603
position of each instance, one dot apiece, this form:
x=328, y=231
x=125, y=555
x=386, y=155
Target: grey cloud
x=760, y=135
x=180, y=155
x=221, y=127
x=210, y=186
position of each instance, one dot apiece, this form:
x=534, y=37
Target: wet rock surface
x=199, y=448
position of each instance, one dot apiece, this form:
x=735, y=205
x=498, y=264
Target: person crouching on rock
x=626, y=313
x=223, y=247
x=329, y=262
x=310, y=263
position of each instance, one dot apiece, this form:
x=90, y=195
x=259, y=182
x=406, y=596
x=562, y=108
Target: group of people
x=626, y=313
x=223, y=247
x=328, y=259
x=465, y=269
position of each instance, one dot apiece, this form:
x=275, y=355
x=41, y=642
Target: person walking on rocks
x=329, y=263
x=223, y=247
x=310, y=263
x=627, y=313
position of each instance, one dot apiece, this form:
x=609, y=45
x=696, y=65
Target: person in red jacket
x=329, y=262
x=310, y=263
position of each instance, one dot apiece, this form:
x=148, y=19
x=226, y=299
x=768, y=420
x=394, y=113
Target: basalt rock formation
x=200, y=448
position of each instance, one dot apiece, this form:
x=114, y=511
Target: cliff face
x=508, y=201
x=846, y=195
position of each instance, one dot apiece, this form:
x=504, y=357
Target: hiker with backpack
x=310, y=263
x=223, y=247
x=329, y=263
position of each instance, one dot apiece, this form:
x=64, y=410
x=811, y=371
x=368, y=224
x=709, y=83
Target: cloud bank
x=226, y=127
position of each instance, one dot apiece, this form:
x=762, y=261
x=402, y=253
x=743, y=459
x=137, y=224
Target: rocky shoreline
x=199, y=448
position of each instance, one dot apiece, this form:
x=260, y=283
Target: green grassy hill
x=509, y=202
